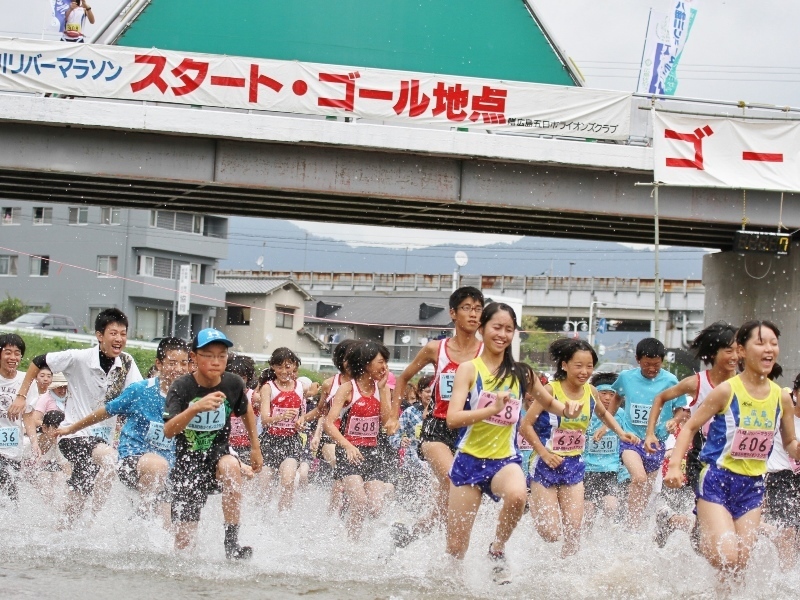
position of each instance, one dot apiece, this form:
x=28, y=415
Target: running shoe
x=501, y=574
x=664, y=527
x=238, y=552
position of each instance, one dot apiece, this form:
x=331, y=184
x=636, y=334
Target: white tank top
x=704, y=388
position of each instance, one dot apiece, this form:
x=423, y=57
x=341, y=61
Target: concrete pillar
x=740, y=287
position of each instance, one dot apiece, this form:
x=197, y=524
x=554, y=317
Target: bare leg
x=461, y=511
x=640, y=487
x=286, y=473
x=152, y=470
x=547, y=515
x=185, y=535
x=357, y=501
x=570, y=499
x=375, y=495
x=509, y=484
x=105, y=457
x=440, y=459
x=230, y=475
x=724, y=542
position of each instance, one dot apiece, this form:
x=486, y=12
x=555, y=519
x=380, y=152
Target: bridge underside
x=345, y=185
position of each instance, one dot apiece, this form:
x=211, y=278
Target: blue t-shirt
x=639, y=393
x=603, y=456
x=142, y=404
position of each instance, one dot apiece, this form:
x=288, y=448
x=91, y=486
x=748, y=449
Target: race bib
x=446, y=386
x=508, y=416
x=752, y=443
x=366, y=427
x=418, y=431
x=608, y=444
x=286, y=423
x=9, y=437
x=568, y=440
x=522, y=443
x=640, y=413
x=155, y=437
x=102, y=432
x=795, y=466
x=209, y=420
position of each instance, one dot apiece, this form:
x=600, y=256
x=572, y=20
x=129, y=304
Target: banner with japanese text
x=702, y=151
x=311, y=89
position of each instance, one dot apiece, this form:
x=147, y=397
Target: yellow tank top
x=578, y=425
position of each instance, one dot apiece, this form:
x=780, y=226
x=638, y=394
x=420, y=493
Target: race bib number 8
x=640, y=413
x=446, y=386
x=210, y=420
x=608, y=444
x=508, y=416
x=568, y=440
x=9, y=437
x=155, y=436
x=749, y=443
x=366, y=427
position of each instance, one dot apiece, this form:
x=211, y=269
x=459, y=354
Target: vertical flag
x=664, y=43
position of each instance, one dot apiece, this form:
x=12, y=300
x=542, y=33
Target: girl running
x=745, y=412
x=557, y=491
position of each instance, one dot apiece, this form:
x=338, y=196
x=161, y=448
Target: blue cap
x=208, y=336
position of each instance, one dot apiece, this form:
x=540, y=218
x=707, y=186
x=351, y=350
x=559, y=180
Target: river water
x=305, y=554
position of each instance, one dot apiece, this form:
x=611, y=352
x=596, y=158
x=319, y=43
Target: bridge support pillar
x=740, y=287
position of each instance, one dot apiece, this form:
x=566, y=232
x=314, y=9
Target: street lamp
x=569, y=291
x=461, y=261
x=591, y=319
x=574, y=326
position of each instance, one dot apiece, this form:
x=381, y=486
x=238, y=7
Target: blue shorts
x=739, y=494
x=651, y=462
x=569, y=472
x=468, y=470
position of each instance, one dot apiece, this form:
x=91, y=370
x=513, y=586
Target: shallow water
x=305, y=554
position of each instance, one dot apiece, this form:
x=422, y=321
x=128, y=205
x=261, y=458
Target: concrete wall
x=757, y=286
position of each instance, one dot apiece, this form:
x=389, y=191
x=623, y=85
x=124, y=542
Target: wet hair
x=12, y=339
x=168, y=344
x=109, y=316
x=362, y=354
x=340, y=353
x=796, y=384
x=244, y=366
x=777, y=372
x=711, y=340
x=279, y=356
x=650, y=348
x=528, y=376
x=563, y=349
x=603, y=379
x=743, y=335
x=462, y=293
x=507, y=368
x=52, y=418
x=424, y=382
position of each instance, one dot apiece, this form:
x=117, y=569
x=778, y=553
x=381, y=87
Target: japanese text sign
x=702, y=151
x=311, y=89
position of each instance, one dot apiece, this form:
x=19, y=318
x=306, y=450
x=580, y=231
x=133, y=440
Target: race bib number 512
x=209, y=420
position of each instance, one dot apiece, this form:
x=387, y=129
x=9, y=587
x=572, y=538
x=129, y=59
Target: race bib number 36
x=640, y=413
x=210, y=420
x=508, y=416
x=446, y=386
x=754, y=444
x=9, y=437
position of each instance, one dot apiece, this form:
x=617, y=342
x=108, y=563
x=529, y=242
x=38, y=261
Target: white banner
x=311, y=89
x=184, y=289
x=701, y=151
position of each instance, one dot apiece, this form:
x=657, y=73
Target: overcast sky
x=738, y=50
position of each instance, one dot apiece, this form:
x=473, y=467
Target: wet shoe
x=402, y=535
x=664, y=527
x=501, y=574
x=238, y=552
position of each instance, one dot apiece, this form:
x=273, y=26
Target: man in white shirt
x=96, y=375
x=12, y=429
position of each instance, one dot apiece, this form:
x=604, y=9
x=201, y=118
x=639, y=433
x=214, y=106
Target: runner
x=96, y=375
x=486, y=401
x=245, y=367
x=602, y=456
x=745, y=412
x=197, y=412
x=282, y=410
x=438, y=441
x=782, y=493
x=557, y=491
x=145, y=454
x=715, y=346
x=364, y=403
x=12, y=427
x=639, y=387
x=414, y=472
x=525, y=449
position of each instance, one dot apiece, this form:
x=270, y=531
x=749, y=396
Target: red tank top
x=282, y=402
x=239, y=437
x=443, y=379
x=362, y=419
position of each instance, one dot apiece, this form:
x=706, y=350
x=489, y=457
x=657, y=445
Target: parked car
x=46, y=321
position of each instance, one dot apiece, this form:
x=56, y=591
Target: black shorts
x=277, y=448
x=782, y=502
x=9, y=470
x=372, y=468
x=78, y=451
x=597, y=486
x=436, y=430
x=193, y=479
x=128, y=471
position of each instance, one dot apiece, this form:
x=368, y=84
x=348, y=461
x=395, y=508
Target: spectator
x=43, y=380
x=74, y=21
x=54, y=398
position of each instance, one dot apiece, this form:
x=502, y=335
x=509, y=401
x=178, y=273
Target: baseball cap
x=208, y=336
x=58, y=381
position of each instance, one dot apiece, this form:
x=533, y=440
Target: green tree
x=534, y=342
x=11, y=308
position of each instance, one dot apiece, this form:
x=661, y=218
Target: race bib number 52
x=640, y=413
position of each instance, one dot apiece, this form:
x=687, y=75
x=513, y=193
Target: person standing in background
x=75, y=20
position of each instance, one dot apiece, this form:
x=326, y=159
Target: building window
x=284, y=318
x=177, y=221
x=78, y=215
x=197, y=224
x=106, y=266
x=238, y=315
x=12, y=215
x=208, y=275
x=144, y=266
x=42, y=215
x=40, y=266
x=8, y=265
x=195, y=273
x=109, y=216
x=152, y=323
